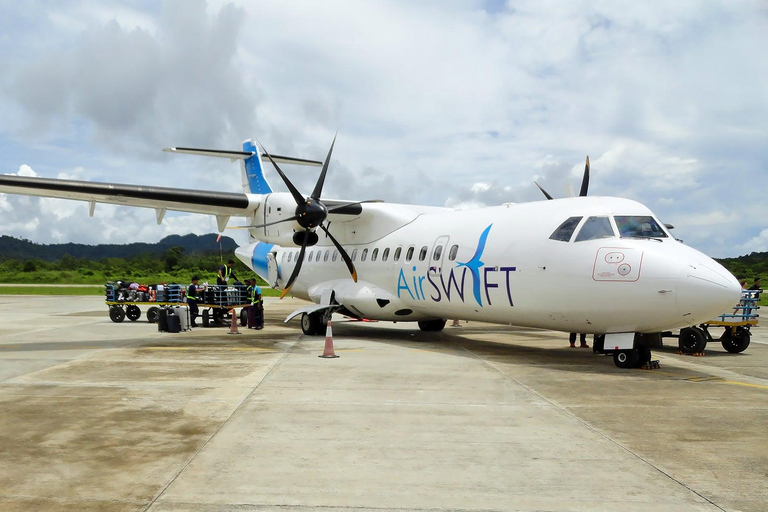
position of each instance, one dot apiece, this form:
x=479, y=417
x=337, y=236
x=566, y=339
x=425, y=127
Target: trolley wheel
x=311, y=324
x=206, y=318
x=626, y=358
x=153, y=314
x=243, y=317
x=738, y=341
x=692, y=340
x=133, y=312
x=117, y=314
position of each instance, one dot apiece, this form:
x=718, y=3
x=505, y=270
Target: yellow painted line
x=760, y=386
x=257, y=349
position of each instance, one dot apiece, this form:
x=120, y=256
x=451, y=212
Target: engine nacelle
x=275, y=207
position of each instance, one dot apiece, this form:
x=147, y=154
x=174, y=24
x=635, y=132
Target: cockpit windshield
x=594, y=228
x=639, y=226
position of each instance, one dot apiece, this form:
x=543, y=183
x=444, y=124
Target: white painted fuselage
x=500, y=265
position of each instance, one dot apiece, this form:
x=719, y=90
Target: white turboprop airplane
x=600, y=265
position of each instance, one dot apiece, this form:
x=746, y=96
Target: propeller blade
x=264, y=225
x=321, y=180
x=343, y=253
x=341, y=206
x=297, y=268
x=294, y=191
x=543, y=191
x=585, y=180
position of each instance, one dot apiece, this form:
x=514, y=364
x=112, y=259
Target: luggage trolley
x=124, y=303
x=736, y=326
x=219, y=300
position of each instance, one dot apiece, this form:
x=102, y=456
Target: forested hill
x=21, y=249
x=747, y=266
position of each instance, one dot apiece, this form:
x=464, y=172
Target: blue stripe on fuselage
x=259, y=259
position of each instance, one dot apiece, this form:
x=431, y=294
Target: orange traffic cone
x=328, y=352
x=233, y=328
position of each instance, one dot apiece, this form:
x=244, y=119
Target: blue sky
x=450, y=103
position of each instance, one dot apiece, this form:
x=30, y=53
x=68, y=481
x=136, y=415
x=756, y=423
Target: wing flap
x=185, y=200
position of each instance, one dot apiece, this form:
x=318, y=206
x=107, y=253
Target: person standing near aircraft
x=225, y=273
x=582, y=337
x=193, y=298
x=256, y=308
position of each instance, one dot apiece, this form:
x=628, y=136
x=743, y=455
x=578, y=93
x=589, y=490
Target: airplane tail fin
x=251, y=159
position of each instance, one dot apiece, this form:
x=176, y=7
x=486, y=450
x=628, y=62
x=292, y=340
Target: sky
x=447, y=103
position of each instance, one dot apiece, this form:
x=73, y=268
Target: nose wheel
x=634, y=358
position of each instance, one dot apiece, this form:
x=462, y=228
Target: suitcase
x=183, y=313
x=162, y=320
x=174, y=324
x=233, y=296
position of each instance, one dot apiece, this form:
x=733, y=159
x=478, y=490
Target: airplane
x=598, y=265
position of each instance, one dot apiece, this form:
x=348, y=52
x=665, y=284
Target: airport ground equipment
x=736, y=326
x=216, y=303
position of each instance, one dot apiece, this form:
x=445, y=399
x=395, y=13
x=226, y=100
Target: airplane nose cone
x=705, y=291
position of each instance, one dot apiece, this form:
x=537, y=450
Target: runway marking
x=255, y=349
x=744, y=384
x=708, y=378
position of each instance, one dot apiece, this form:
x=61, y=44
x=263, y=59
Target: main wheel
x=643, y=355
x=311, y=324
x=692, y=340
x=432, y=325
x=626, y=358
x=117, y=314
x=153, y=314
x=738, y=341
x=243, y=317
x=133, y=312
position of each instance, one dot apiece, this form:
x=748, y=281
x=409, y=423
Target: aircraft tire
x=643, y=355
x=692, y=340
x=738, y=341
x=626, y=358
x=116, y=314
x=243, y=317
x=432, y=325
x=311, y=324
x=133, y=313
x=152, y=314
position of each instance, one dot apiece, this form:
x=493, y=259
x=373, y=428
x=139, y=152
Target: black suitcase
x=162, y=320
x=174, y=323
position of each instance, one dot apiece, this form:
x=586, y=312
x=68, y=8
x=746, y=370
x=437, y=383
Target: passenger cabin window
x=327, y=253
x=595, y=228
x=309, y=258
x=639, y=226
x=564, y=232
x=438, y=252
x=409, y=254
x=396, y=257
x=374, y=254
x=423, y=253
x=385, y=254
x=290, y=257
x=453, y=252
x=354, y=255
x=335, y=255
x=319, y=253
x=364, y=255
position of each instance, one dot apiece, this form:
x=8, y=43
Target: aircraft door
x=437, y=255
x=272, y=269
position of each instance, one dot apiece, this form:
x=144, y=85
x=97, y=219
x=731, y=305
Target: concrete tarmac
x=98, y=416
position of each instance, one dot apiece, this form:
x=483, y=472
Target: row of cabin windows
x=325, y=255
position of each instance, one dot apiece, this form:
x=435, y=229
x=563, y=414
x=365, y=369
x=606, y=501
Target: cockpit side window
x=594, y=228
x=639, y=226
x=564, y=232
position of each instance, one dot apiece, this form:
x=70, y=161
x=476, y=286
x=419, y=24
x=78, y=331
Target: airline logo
x=452, y=286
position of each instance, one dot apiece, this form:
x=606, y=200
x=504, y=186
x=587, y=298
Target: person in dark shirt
x=226, y=272
x=193, y=297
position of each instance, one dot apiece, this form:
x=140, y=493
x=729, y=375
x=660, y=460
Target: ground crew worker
x=225, y=273
x=193, y=297
x=256, y=307
x=582, y=338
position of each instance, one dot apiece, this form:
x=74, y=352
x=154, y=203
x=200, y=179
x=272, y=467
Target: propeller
x=584, y=183
x=310, y=214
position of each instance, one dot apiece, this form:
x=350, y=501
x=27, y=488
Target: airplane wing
x=161, y=198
